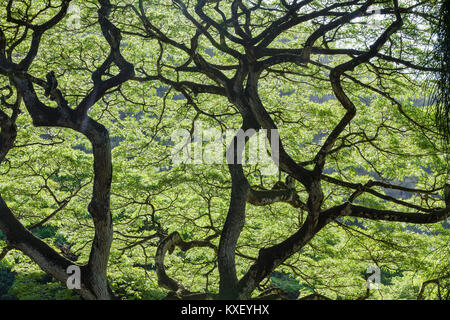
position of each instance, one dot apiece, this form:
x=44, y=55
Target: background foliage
x=152, y=197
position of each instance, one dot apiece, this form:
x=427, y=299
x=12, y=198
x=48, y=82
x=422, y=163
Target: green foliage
x=35, y=286
x=152, y=195
x=135, y=286
x=45, y=232
x=286, y=283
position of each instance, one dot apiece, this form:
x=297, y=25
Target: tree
x=342, y=83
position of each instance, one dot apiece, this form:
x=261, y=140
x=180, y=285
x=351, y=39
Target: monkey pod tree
x=94, y=282
x=342, y=83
